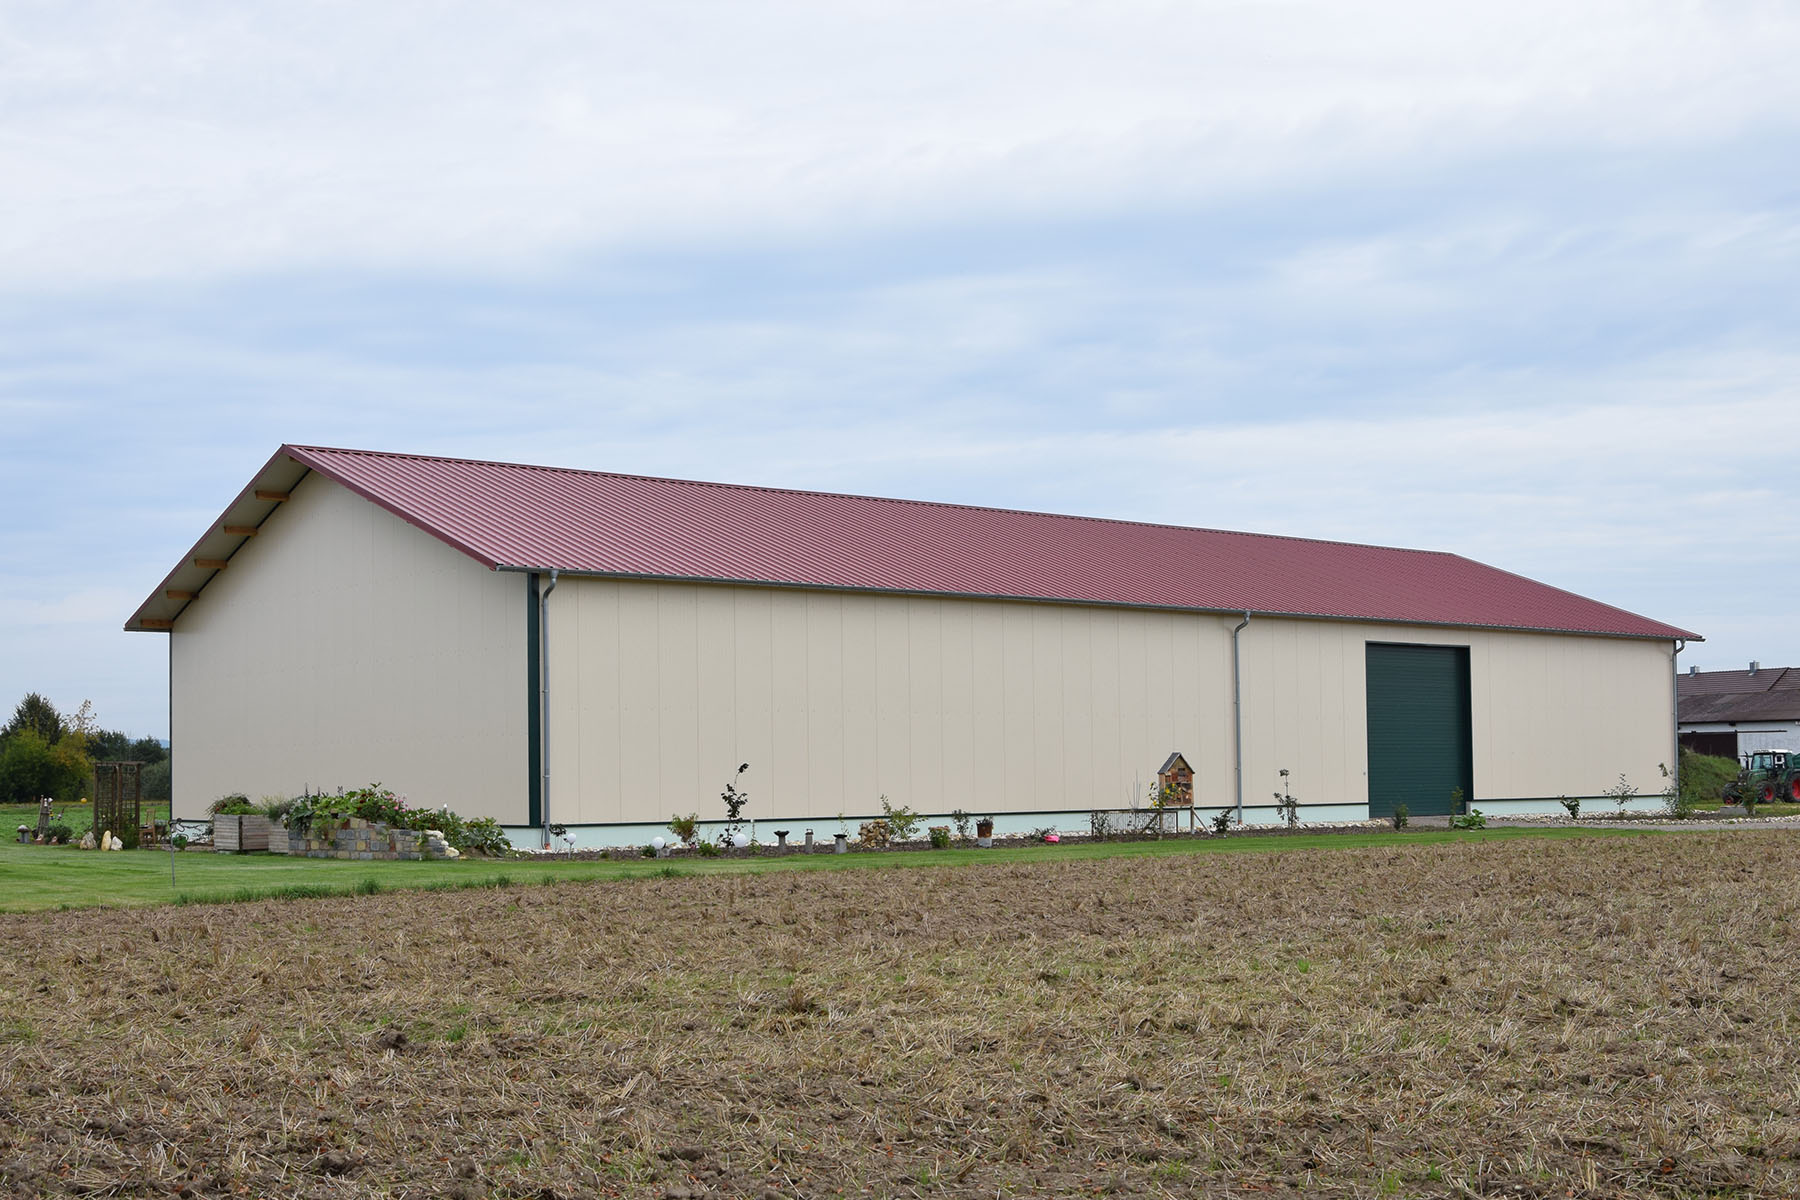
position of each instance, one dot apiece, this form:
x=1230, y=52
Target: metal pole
x=1237, y=719
x=544, y=702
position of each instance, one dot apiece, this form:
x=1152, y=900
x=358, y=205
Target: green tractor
x=1765, y=777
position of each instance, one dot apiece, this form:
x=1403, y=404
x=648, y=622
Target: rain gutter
x=544, y=704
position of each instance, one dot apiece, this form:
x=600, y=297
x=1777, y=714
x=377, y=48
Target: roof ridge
x=949, y=504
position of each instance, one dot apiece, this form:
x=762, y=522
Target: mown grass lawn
x=34, y=878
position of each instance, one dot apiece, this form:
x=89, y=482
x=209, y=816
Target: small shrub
x=1401, y=816
x=1473, y=819
x=235, y=805
x=179, y=841
x=647, y=851
x=59, y=834
x=685, y=829
x=1700, y=779
x=707, y=850
x=901, y=821
x=277, y=807
x=940, y=836
x=453, y=827
x=1044, y=834
x=1458, y=802
x=483, y=835
x=1621, y=793
x=1571, y=805
x=1221, y=822
x=734, y=807
x=962, y=821
x=1286, y=804
x=1100, y=824
x=875, y=833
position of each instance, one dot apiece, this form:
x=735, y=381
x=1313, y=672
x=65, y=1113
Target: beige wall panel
x=941, y=703
x=639, y=686
x=961, y=767
x=678, y=698
x=893, y=709
x=1103, y=736
x=1049, y=777
x=344, y=647
x=861, y=712
x=716, y=740
x=592, y=749
x=986, y=787
x=1139, y=679
x=925, y=702
x=827, y=745
x=1018, y=747
x=785, y=774
x=1076, y=737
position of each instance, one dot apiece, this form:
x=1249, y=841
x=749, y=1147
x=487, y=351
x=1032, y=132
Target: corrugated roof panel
x=596, y=523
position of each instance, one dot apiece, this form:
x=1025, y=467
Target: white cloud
x=157, y=140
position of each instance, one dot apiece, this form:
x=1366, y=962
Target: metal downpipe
x=1675, y=712
x=544, y=704
x=1237, y=720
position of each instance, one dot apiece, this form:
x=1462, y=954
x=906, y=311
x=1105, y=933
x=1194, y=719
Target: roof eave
x=279, y=474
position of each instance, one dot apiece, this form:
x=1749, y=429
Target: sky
x=1516, y=280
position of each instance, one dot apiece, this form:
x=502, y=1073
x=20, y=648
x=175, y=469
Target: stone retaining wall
x=359, y=839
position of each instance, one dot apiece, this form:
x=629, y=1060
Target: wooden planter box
x=240, y=834
x=278, y=839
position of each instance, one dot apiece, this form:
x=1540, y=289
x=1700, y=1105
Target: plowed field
x=1590, y=1017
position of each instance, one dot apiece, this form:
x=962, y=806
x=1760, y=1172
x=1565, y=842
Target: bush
x=1100, y=824
x=1221, y=822
x=59, y=834
x=1571, y=805
x=686, y=829
x=235, y=805
x=1621, y=793
x=1469, y=820
x=900, y=822
x=940, y=836
x=278, y=807
x=31, y=767
x=1401, y=816
x=453, y=827
x=482, y=835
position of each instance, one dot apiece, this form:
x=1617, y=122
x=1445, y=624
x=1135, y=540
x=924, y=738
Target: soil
x=1601, y=1017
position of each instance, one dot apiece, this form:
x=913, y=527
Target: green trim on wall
x=534, y=720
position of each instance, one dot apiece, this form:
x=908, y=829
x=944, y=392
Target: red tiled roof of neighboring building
x=588, y=522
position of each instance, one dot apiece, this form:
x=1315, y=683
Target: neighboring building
x=1734, y=713
x=356, y=617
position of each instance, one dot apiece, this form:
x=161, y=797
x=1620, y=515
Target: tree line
x=47, y=753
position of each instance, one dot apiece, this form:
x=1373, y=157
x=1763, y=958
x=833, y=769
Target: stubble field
x=1605, y=1016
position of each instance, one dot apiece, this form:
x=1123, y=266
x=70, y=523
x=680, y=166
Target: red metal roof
x=588, y=522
